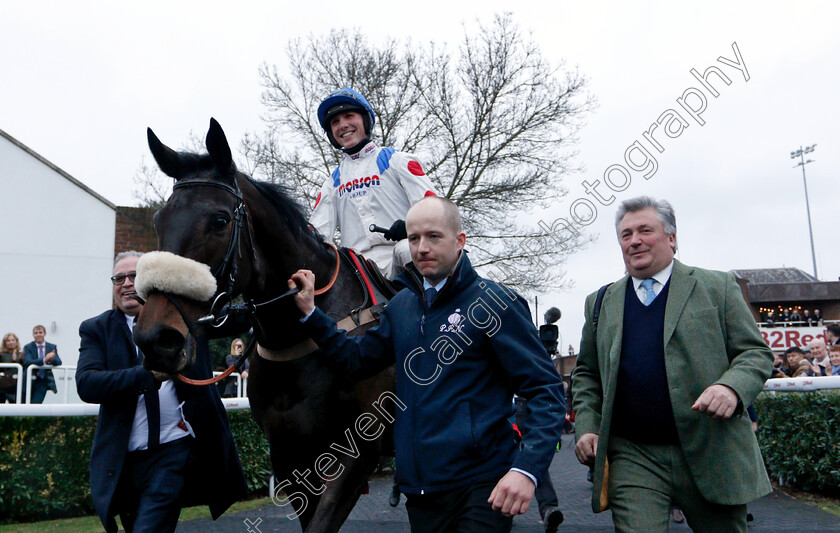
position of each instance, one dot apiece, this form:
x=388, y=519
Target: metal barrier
x=802, y=384
x=89, y=409
x=63, y=370
x=18, y=373
x=241, y=384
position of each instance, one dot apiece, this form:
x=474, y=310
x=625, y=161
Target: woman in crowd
x=10, y=352
x=236, y=349
x=834, y=359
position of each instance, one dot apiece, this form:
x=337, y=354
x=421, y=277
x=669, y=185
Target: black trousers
x=149, y=491
x=462, y=510
x=545, y=494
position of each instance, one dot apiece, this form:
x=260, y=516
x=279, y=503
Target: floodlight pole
x=801, y=155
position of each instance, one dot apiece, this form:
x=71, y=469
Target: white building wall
x=56, y=252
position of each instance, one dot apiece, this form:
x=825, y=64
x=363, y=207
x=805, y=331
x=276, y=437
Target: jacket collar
x=363, y=149
x=463, y=275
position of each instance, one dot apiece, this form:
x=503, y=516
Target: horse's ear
x=167, y=158
x=218, y=148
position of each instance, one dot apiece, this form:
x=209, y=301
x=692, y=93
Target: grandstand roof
x=766, y=276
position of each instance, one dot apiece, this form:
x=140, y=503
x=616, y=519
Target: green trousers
x=646, y=478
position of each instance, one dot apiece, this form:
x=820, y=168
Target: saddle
x=379, y=289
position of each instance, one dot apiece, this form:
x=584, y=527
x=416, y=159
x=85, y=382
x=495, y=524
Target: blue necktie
x=649, y=294
x=431, y=292
x=41, y=373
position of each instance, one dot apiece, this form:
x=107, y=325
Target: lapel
x=611, y=321
x=119, y=318
x=682, y=283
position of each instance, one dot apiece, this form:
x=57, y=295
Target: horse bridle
x=221, y=308
x=230, y=264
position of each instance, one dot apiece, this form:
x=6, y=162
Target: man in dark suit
x=662, y=383
x=832, y=334
x=159, y=444
x=40, y=352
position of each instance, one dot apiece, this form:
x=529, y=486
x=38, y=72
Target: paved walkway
x=776, y=512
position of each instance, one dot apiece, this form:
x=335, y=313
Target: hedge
x=44, y=461
x=799, y=434
x=44, y=464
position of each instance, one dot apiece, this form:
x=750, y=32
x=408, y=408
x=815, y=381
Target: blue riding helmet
x=340, y=100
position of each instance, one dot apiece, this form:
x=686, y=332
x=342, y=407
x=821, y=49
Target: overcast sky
x=81, y=81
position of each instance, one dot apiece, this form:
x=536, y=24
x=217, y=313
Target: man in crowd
x=372, y=185
x=463, y=345
x=832, y=334
x=663, y=376
x=159, y=443
x=818, y=357
x=795, y=365
x=40, y=352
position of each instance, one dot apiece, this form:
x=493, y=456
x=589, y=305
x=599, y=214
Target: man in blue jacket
x=463, y=345
x=41, y=352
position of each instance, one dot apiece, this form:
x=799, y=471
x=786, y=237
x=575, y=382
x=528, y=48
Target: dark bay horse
x=253, y=236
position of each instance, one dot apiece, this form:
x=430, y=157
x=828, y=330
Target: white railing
x=237, y=404
x=89, y=409
x=62, y=370
x=796, y=324
x=241, y=384
x=18, y=373
x=65, y=381
x=802, y=384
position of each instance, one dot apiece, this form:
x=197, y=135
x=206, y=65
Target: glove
x=397, y=231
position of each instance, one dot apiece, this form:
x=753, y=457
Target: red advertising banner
x=784, y=338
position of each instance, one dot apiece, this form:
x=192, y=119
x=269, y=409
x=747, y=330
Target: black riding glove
x=397, y=231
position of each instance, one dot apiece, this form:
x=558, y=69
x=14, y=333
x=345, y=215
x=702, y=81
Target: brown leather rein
x=245, y=354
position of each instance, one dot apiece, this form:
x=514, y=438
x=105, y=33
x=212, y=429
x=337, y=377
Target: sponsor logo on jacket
x=358, y=187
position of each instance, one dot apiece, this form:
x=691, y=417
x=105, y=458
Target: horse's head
x=204, y=224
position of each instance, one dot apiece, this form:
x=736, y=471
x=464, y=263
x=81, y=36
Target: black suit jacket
x=108, y=373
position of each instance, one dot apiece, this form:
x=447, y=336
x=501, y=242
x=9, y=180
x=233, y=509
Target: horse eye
x=219, y=223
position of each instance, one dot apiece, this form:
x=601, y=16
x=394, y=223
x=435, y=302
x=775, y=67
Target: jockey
x=372, y=185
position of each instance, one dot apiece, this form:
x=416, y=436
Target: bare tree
x=151, y=186
x=494, y=124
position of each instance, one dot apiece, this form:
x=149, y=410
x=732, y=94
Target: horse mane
x=193, y=164
x=291, y=212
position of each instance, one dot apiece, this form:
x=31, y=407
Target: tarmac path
x=776, y=512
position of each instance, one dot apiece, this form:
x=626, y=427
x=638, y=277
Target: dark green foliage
x=253, y=449
x=44, y=467
x=44, y=464
x=799, y=434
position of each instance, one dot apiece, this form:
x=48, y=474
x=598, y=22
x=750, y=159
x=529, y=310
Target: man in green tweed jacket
x=662, y=383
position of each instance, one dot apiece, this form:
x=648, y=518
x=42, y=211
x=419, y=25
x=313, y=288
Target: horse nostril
x=169, y=342
x=163, y=343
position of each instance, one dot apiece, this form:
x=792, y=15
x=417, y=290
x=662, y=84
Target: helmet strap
x=355, y=149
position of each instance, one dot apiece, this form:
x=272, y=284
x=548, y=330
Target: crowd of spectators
x=822, y=357
x=38, y=352
x=791, y=317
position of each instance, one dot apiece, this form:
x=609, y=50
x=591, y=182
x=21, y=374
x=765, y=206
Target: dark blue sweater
x=458, y=365
x=643, y=411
